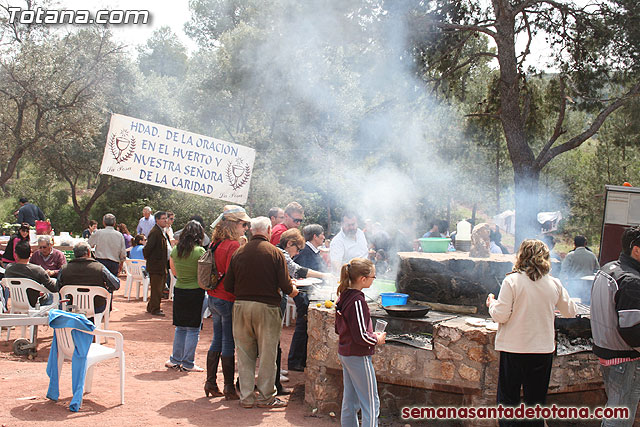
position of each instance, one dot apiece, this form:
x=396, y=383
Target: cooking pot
x=407, y=310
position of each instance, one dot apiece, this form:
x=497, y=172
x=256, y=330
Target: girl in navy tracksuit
x=357, y=344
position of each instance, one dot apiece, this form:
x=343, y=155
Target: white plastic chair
x=97, y=353
x=290, y=312
x=133, y=268
x=83, y=297
x=20, y=301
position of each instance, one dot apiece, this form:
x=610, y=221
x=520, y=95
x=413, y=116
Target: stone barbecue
x=446, y=359
x=460, y=370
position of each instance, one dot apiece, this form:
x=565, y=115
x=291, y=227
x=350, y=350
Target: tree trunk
x=84, y=218
x=83, y=212
x=513, y=124
x=11, y=166
x=526, y=191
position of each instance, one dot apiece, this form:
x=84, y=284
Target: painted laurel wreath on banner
x=122, y=146
x=238, y=173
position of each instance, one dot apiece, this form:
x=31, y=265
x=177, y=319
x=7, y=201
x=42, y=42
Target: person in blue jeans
x=227, y=230
x=188, y=297
x=356, y=344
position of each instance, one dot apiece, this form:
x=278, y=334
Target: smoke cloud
x=375, y=131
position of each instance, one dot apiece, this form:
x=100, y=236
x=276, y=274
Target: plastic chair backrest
x=65, y=342
x=134, y=267
x=18, y=293
x=83, y=298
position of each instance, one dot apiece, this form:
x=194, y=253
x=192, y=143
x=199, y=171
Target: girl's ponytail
x=345, y=281
x=350, y=272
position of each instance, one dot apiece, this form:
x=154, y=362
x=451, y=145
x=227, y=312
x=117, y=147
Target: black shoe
x=284, y=392
x=158, y=313
x=296, y=368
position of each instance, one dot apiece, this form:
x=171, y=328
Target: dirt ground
x=154, y=395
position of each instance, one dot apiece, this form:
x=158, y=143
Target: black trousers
x=298, y=349
x=112, y=266
x=530, y=372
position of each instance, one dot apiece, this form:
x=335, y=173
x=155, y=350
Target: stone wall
x=462, y=369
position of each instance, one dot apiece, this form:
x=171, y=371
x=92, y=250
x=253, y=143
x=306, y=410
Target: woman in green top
x=187, y=299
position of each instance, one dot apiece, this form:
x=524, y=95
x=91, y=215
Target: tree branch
x=466, y=27
x=527, y=50
x=595, y=126
x=557, y=131
x=491, y=115
x=450, y=71
x=522, y=6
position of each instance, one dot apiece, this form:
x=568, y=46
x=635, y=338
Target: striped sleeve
x=359, y=325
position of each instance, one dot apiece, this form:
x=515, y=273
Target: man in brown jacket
x=256, y=274
x=156, y=253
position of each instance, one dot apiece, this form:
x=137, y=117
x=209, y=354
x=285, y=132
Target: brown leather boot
x=228, y=370
x=210, y=386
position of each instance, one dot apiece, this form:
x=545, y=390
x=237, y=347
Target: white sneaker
x=283, y=379
x=195, y=368
x=284, y=372
x=170, y=365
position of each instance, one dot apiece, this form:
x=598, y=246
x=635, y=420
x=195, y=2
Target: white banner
x=172, y=158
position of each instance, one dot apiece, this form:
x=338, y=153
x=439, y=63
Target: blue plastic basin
x=393, y=298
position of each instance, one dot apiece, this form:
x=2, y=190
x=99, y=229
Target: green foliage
x=163, y=54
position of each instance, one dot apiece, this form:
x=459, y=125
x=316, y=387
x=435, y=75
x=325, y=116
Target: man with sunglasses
x=293, y=217
x=615, y=325
x=48, y=257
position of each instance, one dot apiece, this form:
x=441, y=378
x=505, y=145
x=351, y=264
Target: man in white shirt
x=146, y=223
x=168, y=230
x=171, y=241
x=349, y=243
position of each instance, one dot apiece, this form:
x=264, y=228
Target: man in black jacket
x=29, y=212
x=156, y=253
x=615, y=325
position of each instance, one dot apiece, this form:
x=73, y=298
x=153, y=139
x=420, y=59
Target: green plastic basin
x=434, y=244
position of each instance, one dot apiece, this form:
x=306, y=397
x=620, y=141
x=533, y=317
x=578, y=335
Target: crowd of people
x=246, y=304
x=257, y=262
